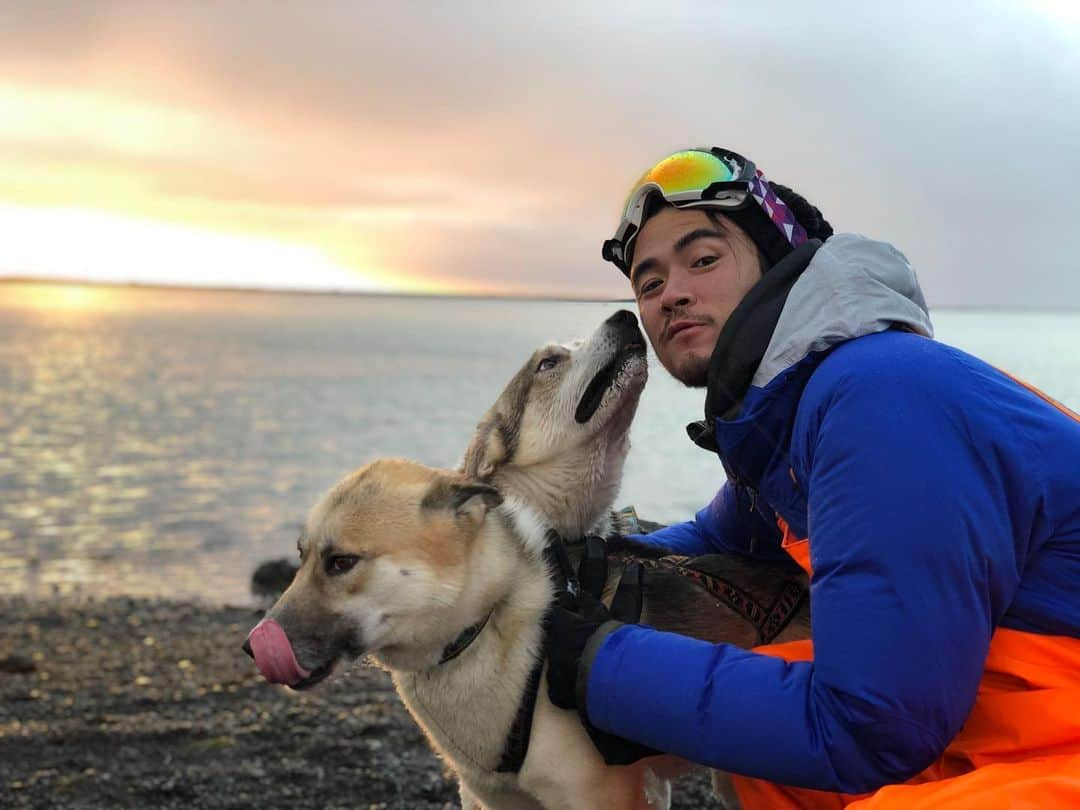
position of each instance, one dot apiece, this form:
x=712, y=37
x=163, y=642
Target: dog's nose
x=622, y=316
x=246, y=647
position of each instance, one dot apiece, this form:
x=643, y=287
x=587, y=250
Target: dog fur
x=398, y=559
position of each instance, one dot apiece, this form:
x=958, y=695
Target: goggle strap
x=777, y=211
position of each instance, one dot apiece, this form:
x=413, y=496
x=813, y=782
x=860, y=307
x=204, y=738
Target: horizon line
x=308, y=291
x=475, y=296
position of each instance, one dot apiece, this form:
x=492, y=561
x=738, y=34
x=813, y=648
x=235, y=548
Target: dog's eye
x=548, y=363
x=341, y=563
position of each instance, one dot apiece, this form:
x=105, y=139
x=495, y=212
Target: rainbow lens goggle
x=714, y=178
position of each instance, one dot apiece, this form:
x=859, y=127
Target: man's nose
x=677, y=293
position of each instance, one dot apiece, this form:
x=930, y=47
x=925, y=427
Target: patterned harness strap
x=768, y=621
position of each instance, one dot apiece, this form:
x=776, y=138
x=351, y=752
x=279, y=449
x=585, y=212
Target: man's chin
x=693, y=372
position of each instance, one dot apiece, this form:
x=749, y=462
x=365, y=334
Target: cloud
x=486, y=143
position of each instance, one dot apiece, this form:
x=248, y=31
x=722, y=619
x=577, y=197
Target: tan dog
x=441, y=577
x=397, y=562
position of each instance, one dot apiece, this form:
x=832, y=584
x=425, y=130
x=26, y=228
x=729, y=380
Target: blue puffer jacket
x=942, y=500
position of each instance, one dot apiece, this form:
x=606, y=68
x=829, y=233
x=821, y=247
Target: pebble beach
x=135, y=703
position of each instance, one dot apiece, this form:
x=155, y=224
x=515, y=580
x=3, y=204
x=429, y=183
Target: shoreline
x=147, y=703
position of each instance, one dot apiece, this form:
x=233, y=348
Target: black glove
x=580, y=621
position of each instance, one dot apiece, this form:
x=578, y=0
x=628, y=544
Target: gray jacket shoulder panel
x=853, y=286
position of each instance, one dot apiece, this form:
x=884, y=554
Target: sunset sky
x=485, y=147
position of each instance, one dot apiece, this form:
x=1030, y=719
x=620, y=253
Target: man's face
x=688, y=275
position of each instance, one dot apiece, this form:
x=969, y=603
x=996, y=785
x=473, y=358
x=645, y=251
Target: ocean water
x=165, y=442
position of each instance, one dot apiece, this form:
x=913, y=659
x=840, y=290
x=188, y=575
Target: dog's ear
x=467, y=499
x=486, y=452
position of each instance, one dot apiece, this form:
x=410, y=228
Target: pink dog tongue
x=274, y=654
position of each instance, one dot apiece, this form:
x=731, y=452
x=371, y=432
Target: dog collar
x=464, y=639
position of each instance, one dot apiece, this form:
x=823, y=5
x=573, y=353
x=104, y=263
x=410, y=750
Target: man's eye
x=341, y=563
x=649, y=286
x=547, y=364
x=705, y=261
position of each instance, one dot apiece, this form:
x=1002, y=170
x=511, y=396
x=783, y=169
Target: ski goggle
x=713, y=178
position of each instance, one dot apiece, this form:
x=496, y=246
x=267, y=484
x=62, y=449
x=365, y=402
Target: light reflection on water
x=164, y=443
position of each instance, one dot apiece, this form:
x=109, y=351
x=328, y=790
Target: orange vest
x=1019, y=748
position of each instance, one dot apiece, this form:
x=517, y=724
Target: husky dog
x=441, y=576
x=554, y=442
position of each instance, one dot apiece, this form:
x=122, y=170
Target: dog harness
x=517, y=739
x=769, y=621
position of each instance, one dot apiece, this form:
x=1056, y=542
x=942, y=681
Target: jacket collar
x=822, y=296
x=743, y=341
x=741, y=345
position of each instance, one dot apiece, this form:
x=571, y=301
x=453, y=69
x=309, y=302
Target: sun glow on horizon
x=110, y=181
x=62, y=298
x=75, y=244
x=102, y=186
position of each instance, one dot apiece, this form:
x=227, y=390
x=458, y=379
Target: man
x=933, y=500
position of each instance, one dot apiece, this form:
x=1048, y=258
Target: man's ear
x=486, y=452
x=466, y=499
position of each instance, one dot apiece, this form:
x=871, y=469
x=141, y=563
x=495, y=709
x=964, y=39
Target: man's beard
x=694, y=372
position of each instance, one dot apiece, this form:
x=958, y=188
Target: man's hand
x=580, y=622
